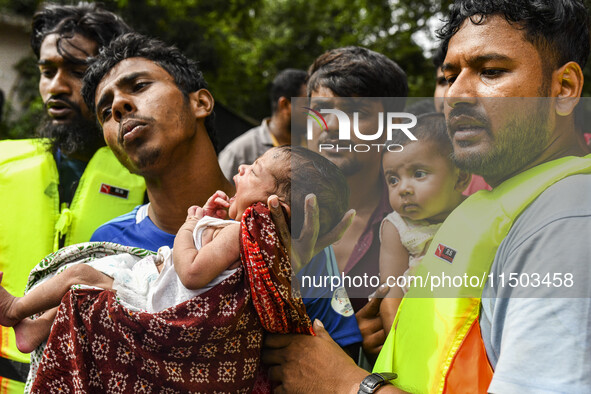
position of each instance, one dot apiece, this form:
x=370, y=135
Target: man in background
x=58, y=189
x=440, y=81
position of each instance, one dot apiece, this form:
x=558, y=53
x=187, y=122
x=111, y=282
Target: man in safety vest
x=514, y=74
x=58, y=189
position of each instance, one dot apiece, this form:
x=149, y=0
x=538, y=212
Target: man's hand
x=370, y=324
x=310, y=364
x=308, y=244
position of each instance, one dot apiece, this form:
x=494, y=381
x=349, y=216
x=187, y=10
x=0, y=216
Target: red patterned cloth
x=269, y=273
x=209, y=344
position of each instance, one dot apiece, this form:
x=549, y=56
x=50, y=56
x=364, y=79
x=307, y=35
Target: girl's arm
x=197, y=268
x=393, y=263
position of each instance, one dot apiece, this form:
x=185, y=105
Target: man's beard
x=516, y=145
x=78, y=137
x=149, y=158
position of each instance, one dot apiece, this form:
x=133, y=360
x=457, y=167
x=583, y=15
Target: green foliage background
x=242, y=44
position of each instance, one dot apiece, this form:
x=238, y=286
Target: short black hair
x=86, y=19
x=185, y=72
x=288, y=83
x=307, y=173
x=430, y=127
x=559, y=29
x=357, y=71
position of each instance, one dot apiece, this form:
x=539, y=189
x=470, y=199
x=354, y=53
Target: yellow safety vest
x=435, y=344
x=32, y=221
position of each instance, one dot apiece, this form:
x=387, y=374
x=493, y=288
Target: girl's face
x=256, y=182
x=422, y=183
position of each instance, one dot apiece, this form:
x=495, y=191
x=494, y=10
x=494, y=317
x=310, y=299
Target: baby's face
x=255, y=183
x=421, y=182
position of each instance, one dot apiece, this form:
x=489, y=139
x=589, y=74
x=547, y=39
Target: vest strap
x=62, y=225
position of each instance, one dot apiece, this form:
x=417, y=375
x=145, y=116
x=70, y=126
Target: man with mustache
x=515, y=78
x=58, y=189
x=171, y=144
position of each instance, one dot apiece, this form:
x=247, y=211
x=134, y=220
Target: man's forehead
x=478, y=35
x=77, y=46
x=322, y=91
x=131, y=69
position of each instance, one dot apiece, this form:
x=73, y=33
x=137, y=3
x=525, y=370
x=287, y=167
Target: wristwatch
x=373, y=382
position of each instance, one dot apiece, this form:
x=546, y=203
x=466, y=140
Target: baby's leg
x=31, y=333
x=49, y=294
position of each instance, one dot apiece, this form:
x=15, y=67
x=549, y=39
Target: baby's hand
x=192, y=212
x=217, y=205
x=195, y=212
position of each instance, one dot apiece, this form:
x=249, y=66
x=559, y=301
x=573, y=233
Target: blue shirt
x=134, y=229
x=329, y=305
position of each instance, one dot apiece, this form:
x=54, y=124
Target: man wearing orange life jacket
x=540, y=222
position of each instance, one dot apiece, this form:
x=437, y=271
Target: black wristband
x=372, y=382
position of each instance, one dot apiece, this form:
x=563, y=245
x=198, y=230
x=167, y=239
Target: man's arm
x=313, y=364
x=316, y=364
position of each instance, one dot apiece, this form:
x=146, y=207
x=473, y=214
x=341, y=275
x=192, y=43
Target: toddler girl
x=424, y=186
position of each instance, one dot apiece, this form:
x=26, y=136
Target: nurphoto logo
x=391, y=120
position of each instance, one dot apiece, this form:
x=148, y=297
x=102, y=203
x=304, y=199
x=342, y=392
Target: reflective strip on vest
x=428, y=344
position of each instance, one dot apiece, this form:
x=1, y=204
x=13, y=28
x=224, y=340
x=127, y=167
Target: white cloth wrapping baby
x=138, y=284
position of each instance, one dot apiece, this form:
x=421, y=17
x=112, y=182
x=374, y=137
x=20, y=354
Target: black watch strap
x=372, y=382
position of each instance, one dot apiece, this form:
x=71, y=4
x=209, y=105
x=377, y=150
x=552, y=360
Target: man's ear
x=283, y=104
x=201, y=103
x=569, y=85
x=463, y=180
